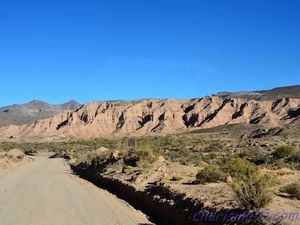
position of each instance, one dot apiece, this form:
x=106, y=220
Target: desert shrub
x=210, y=174
x=144, y=154
x=184, y=157
x=202, y=164
x=239, y=168
x=253, y=191
x=215, y=158
x=283, y=152
x=211, y=156
x=185, y=161
x=214, y=146
x=140, y=156
x=254, y=155
x=92, y=160
x=98, y=155
x=279, y=164
x=295, y=157
x=252, y=188
x=292, y=189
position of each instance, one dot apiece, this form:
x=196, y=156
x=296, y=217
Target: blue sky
x=56, y=50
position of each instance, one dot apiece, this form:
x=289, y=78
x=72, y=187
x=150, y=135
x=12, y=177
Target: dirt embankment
x=12, y=159
x=164, y=205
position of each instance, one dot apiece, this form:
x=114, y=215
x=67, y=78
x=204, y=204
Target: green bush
x=210, y=174
x=138, y=157
x=215, y=147
x=283, y=152
x=254, y=155
x=252, y=188
x=292, y=189
x=184, y=157
x=239, y=168
x=295, y=157
x=279, y=164
x=253, y=191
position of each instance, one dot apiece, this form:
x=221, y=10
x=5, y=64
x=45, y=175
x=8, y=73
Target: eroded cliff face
x=149, y=117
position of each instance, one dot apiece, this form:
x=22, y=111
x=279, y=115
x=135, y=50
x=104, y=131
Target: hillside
x=279, y=107
x=150, y=117
x=32, y=111
x=274, y=94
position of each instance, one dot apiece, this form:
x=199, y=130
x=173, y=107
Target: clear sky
x=57, y=50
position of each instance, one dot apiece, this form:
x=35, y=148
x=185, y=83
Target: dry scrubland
x=215, y=174
x=12, y=158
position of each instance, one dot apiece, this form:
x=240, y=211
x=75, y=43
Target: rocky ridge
x=150, y=117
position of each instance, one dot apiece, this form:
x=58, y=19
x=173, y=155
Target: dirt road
x=45, y=192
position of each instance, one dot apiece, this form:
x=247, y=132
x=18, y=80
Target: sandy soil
x=45, y=192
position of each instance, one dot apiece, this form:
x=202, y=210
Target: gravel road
x=44, y=192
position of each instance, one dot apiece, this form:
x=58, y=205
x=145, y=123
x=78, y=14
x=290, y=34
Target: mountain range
x=277, y=108
x=32, y=111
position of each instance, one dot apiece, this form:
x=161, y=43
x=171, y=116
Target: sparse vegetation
x=253, y=191
x=240, y=169
x=140, y=157
x=279, y=164
x=283, y=152
x=78, y=146
x=211, y=173
x=217, y=161
x=255, y=155
x=295, y=157
x=292, y=189
x=252, y=188
x=294, y=160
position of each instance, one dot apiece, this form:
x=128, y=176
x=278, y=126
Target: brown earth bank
x=157, y=117
x=162, y=213
x=12, y=159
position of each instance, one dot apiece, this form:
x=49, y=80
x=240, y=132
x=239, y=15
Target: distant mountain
x=32, y=111
x=274, y=94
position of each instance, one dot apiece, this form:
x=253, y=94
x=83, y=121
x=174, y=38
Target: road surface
x=44, y=192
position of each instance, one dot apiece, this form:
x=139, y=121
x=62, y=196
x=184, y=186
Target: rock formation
x=150, y=117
